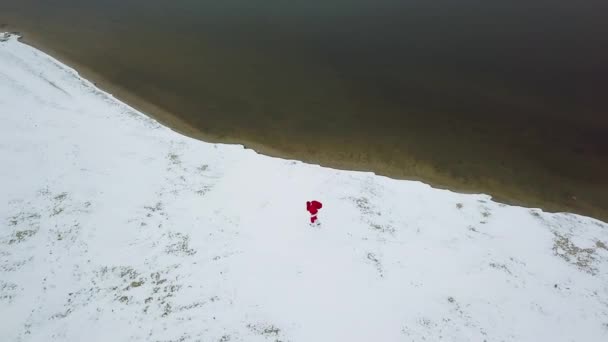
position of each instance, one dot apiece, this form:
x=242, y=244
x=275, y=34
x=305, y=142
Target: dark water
x=505, y=97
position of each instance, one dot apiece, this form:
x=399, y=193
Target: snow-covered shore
x=115, y=228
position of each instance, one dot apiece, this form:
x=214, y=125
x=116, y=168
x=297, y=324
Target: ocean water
x=508, y=98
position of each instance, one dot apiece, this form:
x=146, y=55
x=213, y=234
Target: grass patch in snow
x=583, y=258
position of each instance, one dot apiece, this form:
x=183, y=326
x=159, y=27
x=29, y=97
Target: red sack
x=313, y=207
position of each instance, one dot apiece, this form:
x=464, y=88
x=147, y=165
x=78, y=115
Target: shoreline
x=120, y=228
x=499, y=192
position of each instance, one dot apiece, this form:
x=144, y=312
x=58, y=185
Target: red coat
x=313, y=207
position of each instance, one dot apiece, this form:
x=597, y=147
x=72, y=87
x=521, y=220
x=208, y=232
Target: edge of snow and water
x=114, y=227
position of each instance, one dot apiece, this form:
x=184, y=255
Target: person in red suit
x=313, y=208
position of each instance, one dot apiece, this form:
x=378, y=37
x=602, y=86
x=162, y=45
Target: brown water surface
x=506, y=98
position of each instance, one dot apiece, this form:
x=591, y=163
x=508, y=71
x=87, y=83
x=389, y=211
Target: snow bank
x=115, y=228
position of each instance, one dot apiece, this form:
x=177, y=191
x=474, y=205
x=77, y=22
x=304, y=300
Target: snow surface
x=115, y=228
